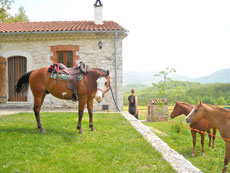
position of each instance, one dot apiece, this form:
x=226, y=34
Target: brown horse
x=94, y=84
x=201, y=125
x=217, y=116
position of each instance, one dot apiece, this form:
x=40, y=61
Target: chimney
x=98, y=12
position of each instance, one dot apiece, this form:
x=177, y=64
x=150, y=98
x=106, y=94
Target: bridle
x=103, y=91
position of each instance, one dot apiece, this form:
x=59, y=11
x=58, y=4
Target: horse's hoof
x=202, y=154
x=93, y=129
x=213, y=149
x=42, y=130
x=81, y=132
x=192, y=155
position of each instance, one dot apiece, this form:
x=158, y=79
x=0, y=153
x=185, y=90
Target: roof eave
x=58, y=32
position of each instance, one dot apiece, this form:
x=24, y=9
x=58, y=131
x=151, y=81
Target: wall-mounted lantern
x=100, y=44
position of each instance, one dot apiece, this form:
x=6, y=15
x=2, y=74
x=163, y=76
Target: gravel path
x=177, y=161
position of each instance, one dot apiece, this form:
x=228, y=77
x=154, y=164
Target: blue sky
x=191, y=36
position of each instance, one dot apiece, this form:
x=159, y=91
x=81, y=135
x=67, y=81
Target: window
x=66, y=58
x=66, y=54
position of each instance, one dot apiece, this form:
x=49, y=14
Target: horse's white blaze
x=187, y=117
x=99, y=94
x=100, y=85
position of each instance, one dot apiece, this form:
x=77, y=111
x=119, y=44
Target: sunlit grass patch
x=115, y=146
x=179, y=138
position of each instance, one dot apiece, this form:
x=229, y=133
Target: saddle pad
x=60, y=76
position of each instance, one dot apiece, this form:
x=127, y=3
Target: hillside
x=137, y=87
x=147, y=78
x=221, y=76
x=190, y=92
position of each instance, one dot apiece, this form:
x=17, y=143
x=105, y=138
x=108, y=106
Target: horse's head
x=181, y=108
x=196, y=114
x=176, y=110
x=103, y=86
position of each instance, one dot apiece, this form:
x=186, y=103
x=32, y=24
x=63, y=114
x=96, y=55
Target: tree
x=163, y=75
x=5, y=6
x=21, y=15
x=177, y=93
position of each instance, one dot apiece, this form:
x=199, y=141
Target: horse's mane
x=184, y=103
x=216, y=107
x=98, y=69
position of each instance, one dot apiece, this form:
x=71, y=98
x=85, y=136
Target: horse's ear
x=107, y=72
x=200, y=102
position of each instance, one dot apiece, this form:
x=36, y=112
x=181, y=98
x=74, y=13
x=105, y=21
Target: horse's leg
x=194, y=142
x=38, y=101
x=82, y=102
x=90, y=111
x=227, y=156
x=210, y=138
x=213, y=139
x=202, y=143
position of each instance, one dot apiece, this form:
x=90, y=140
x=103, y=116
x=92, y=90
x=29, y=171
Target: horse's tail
x=23, y=82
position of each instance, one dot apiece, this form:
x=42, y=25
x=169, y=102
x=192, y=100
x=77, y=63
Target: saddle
x=74, y=74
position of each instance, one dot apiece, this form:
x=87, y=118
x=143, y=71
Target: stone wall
x=38, y=53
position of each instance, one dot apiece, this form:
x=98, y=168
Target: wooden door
x=17, y=66
x=3, y=97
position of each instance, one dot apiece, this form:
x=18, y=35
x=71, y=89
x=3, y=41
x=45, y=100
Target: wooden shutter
x=2, y=80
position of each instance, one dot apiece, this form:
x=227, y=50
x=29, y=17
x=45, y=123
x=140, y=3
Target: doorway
x=17, y=66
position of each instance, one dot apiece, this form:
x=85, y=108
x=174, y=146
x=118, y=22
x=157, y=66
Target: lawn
x=115, y=147
x=180, y=139
x=142, y=111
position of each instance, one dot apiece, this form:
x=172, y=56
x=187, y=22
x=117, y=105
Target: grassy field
x=142, y=111
x=114, y=147
x=180, y=138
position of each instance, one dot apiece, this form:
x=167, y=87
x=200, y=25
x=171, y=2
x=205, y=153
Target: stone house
x=25, y=46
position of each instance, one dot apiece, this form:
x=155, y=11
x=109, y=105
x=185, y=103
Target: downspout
x=115, y=58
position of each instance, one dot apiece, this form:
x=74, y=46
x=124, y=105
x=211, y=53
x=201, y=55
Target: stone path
x=155, y=130
x=177, y=161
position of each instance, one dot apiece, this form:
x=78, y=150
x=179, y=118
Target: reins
x=106, y=90
x=204, y=132
x=114, y=98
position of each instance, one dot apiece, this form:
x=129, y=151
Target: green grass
x=115, y=147
x=180, y=139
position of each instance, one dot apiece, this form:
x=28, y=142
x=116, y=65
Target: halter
x=103, y=91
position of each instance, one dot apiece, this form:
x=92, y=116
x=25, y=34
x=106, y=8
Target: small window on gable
x=66, y=58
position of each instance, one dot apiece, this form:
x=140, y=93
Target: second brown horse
x=219, y=117
x=201, y=125
x=93, y=85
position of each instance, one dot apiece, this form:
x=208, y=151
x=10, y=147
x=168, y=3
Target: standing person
x=132, y=104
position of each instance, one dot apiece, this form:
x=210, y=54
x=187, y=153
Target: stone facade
x=38, y=50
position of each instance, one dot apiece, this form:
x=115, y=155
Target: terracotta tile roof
x=20, y=27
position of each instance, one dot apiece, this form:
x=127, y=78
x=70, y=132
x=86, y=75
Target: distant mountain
x=137, y=87
x=147, y=78
x=221, y=76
